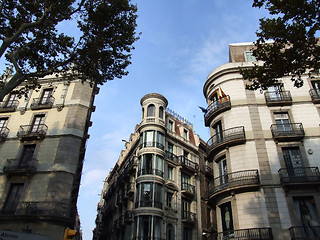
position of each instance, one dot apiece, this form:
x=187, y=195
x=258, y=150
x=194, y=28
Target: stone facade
x=264, y=149
x=42, y=149
x=153, y=191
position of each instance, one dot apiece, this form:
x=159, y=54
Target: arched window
x=161, y=112
x=151, y=110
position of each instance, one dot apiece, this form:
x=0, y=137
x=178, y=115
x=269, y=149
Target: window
x=159, y=166
x=13, y=198
x=148, y=227
x=149, y=194
x=186, y=207
x=283, y=122
x=226, y=218
x=161, y=112
x=185, y=134
x=170, y=147
x=185, y=182
x=170, y=125
x=218, y=134
x=293, y=161
x=46, y=95
x=160, y=140
x=222, y=170
x=11, y=100
x=3, y=125
x=170, y=232
x=27, y=154
x=187, y=233
x=316, y=87
x=169, y=200
x=248, y=56
x=275, y=92
x=151, y=111
x=149, y=138
x=170, y=172
x=37, y=124
x=150, y=164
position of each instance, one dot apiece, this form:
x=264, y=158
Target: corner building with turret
x=153, y=191
x=264, y=148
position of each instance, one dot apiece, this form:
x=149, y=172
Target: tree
x=33, y=47
x=294, y=49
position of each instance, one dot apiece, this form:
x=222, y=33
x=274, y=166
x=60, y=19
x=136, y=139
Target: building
x=264, y=148
x=153, y=191
x=42, y=148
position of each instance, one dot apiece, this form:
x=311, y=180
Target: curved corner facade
x=264, y=150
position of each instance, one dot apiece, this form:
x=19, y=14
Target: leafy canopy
x=32, y=46
x=294, y=50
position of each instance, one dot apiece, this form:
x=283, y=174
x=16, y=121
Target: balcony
x=4, y=131
x=299, y=175
x=278, y=98
x=188, y=190
x=305, y=232
x=188, y=165
x=315, y=96
x=188, y=217
x=38, y=209
x=215, y=108
x=172, y=157
x=32, y=132
x=42, y=103
x=150, y=172
x=16, y=166
x=151, y=144
x=236, y=181
x=208, y=171
x=248, y=234
x=227, y=138
x=8, y=107
x=287, y=132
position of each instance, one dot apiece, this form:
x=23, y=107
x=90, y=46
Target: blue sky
x=181, y=43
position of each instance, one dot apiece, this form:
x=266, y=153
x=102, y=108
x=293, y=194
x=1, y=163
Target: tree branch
x=2, y=5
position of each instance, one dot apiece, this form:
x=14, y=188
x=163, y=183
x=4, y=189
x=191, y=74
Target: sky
x=180, y=44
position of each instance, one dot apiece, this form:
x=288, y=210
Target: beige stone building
x=265, y=154
x=153, y=191
x=42, y=148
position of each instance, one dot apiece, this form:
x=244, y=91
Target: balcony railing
x=147, y=238
x=150, y=172
x=289, y=131
x=18, y=166
x=299, y=175
x=151, y=144
x=41, y=103
x=186, y=187
x=11, y=107
x=208, y=170
x=189, y=217
x=33, y=131
x=246, y=234
x=278, y=98
x=40, y=209
x=172, y=157
x=315, y=95
x=216, y=107
x=189, y=164
x=4, y=131
x=305, y=232
x=240, y=179
x=226, y=138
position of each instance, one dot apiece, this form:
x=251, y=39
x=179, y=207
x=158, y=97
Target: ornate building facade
x=264, y=147
x=42, y=148
x=153, y=191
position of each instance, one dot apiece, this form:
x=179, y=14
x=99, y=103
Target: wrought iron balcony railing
x=8, y=106
x=216, y=107
x=278, y=98
x=4, y=131
x=188, y=216
x=19, y=166
x=299, y=175
x=239, y=179
x=226, y=138
x=42, y=209
x=283, y=132
x=315, y=95
x=208, y=170
x=33, y=131
x=187, y=163
x=172, y=157
x=152, y=171
x=41, y=103
x=247, y=234
x=304, y=232
x=188, y=187
x=151, y=144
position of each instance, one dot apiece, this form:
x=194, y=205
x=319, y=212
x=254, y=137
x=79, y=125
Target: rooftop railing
x=216, y=107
